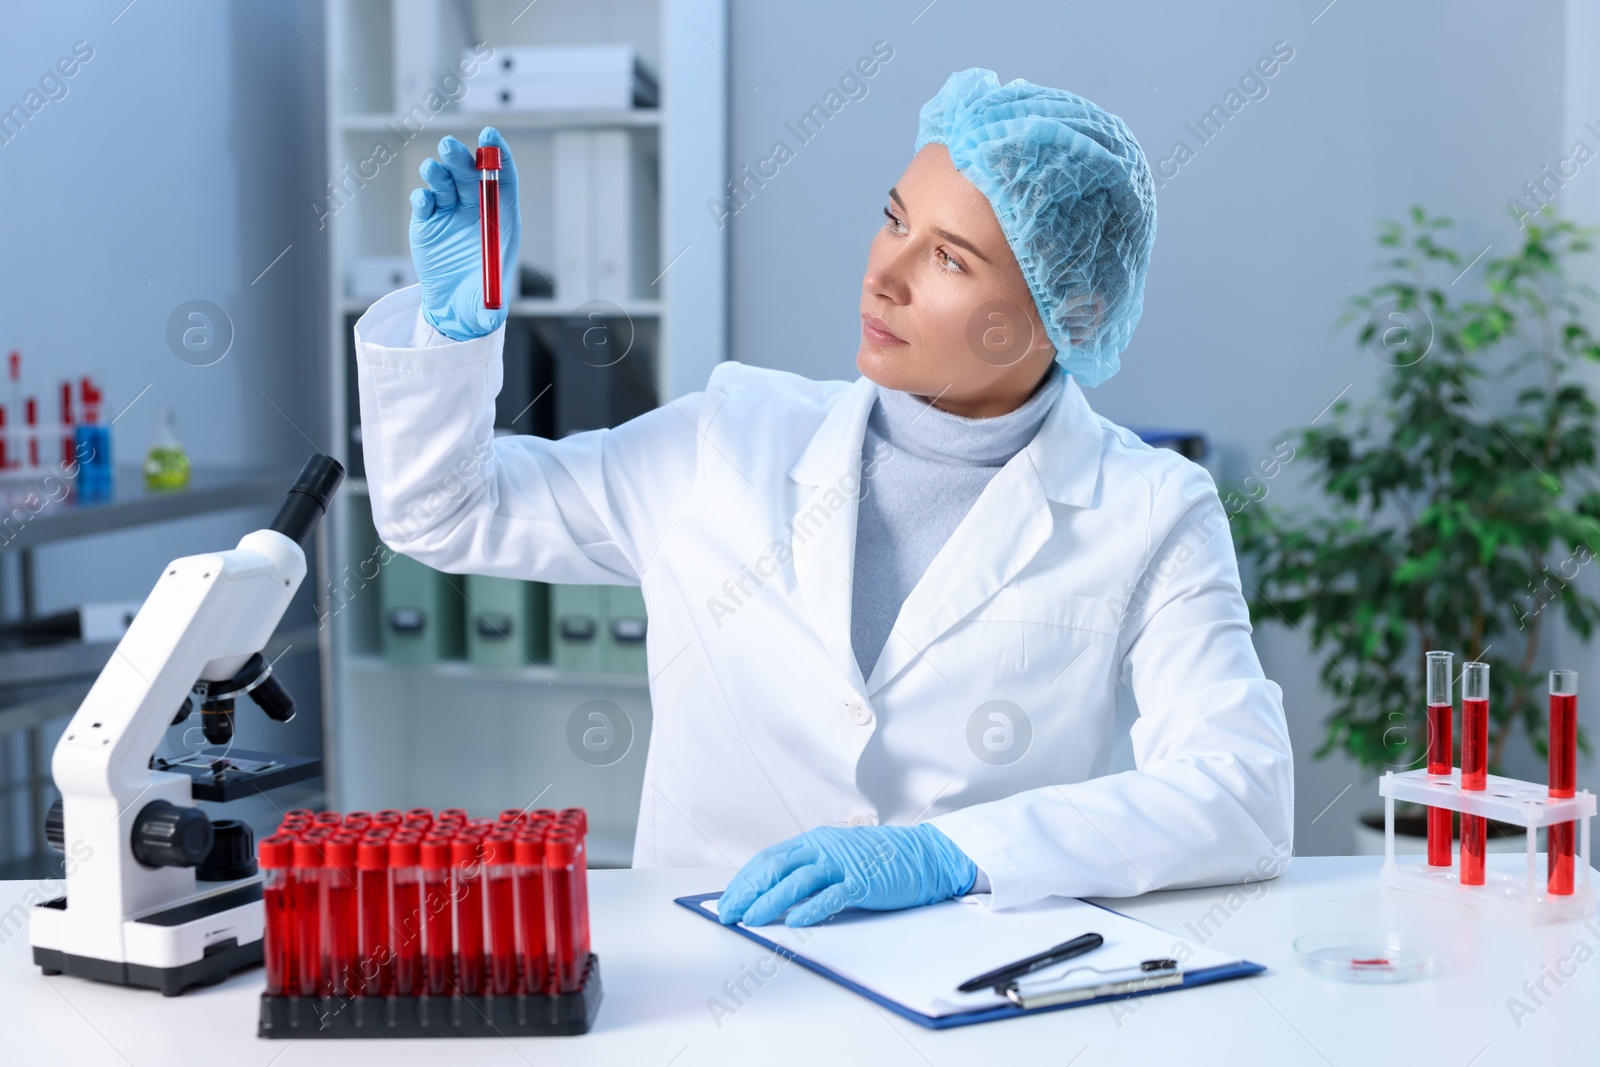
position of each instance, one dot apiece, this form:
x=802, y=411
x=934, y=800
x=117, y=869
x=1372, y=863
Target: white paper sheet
x=917, y=957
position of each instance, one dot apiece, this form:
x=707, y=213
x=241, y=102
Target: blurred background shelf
x=42, y=682
x=453, y=732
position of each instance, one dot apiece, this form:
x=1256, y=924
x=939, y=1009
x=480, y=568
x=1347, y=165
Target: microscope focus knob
x=166, y=835
x=55, y=827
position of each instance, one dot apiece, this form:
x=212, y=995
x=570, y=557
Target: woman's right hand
x=445, y=239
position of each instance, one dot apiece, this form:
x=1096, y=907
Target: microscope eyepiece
x=308, y=498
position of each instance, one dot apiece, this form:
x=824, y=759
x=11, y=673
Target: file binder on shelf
x=911, y=961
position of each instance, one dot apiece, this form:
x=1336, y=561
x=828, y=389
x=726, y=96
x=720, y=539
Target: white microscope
x=137, y=911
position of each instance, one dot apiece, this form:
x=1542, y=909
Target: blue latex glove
x=823, y=871
x=445, y=242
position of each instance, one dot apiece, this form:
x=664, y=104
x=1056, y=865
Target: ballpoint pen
x=1000, y=977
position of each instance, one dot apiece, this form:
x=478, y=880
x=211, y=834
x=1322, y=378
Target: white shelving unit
x=453, y=734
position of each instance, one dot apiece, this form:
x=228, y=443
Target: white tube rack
x=1513, y=892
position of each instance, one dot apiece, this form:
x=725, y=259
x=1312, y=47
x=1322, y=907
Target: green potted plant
x=1460, y=503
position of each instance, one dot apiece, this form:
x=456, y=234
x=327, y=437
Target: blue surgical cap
x=1074, y=197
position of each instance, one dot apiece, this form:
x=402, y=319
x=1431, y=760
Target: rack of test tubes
x=1554, y=891
x=416, y=924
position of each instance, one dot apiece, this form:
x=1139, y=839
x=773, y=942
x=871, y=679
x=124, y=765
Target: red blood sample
x=560, y=848
x=499, y=883
x=532, y=914
x=406, y=934
x=1474, y=767
x=1563, y=777
x=341, y=915
x=438, y=944
x=329, y=818
x=389, y=817
x=489, y=222
x=1440, y=825
x=308, y=915
x=581, y=892
x=467, y=886
x=276, y=856
x=376, y=955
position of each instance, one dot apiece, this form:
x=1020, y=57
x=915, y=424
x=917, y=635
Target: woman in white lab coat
x=929, y=708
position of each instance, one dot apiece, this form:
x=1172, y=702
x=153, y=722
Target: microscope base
x=212, y=968
x=170, y=950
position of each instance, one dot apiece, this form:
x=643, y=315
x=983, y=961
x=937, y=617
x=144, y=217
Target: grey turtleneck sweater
x=922, y=470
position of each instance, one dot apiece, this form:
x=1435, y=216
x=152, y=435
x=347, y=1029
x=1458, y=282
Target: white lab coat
x=1090, y=560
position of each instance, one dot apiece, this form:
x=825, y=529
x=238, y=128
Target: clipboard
x=889, y=978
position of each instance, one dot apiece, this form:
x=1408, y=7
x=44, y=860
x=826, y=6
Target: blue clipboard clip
x=1152, y=975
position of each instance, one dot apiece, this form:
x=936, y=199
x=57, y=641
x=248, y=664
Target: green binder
x=622, y=646
x=421, y=612
x=577, y=615
x=507, y=622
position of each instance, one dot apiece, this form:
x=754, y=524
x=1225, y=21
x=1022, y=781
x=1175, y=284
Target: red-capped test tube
x=578, y=819
x=489, y=221
x=276, y=854
x=375, y=968
x=1474, y=766
x=405, y=859
x=532, y=914
x=467, y=884
x=340, y=913
x=562, y=874
x=1441, y=706
x=438, y=945
x=1563, y=776
x=500, y=911
x=307, y=980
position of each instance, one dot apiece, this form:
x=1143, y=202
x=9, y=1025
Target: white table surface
x=661, y=967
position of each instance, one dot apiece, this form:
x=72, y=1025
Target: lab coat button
x=860, y=714
x=863, y=819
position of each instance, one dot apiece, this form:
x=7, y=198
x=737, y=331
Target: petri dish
x=1365, y=956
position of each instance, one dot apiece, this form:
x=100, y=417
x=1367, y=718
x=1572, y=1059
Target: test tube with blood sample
x=467, y=888
x=278, y=896
x=1474, y=766
x=375, y=967
x=1441, y=706
x=488, y=160
x=438, y=944
x=500, y=908
x=1563, y=777
x=406, y=936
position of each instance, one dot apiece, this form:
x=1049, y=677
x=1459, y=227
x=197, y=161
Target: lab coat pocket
x=1047, y=638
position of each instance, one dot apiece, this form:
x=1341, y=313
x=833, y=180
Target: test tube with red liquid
x=406, y=936
x=467, y=887
x=438, y=944
x=376, y=966
x=532, y=914
x=308, y=916
x=488, y=161
x=499, y=884
x=278, y=897
x=562, y=874
x=1441, y=706
x=1474, y=766
x=1563, y=776
x=578, y=819
x=340, y=912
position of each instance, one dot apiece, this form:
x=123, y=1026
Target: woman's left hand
x=823, y=871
